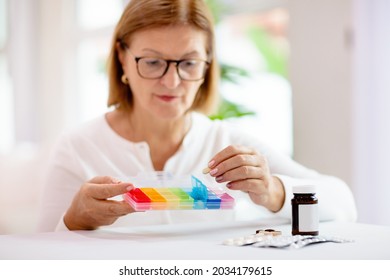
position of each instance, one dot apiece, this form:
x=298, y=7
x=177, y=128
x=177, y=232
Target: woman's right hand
x=91, y=206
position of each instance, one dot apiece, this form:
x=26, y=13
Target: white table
x=194, y=242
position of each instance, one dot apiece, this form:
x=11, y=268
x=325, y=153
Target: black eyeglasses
x=156, y=68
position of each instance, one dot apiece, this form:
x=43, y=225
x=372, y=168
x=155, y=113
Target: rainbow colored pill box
x=194, y=197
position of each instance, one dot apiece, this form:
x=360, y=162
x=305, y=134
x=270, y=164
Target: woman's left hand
x=246, y=170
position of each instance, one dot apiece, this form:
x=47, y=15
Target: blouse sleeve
x=62, y=181
x=335, y=199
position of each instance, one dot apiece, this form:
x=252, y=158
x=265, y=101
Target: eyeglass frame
x=168, y=61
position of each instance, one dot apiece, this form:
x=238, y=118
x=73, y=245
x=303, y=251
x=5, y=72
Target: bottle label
x=308, y=217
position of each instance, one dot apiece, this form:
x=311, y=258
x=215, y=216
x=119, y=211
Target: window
x=6, y=97
x=256, y=42
x=92, y=45
x=93, y=15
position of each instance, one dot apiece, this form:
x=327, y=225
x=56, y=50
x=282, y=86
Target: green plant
x=274, y=55
x=229, y=73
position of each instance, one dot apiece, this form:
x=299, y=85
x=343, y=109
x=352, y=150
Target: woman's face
x=168, y=97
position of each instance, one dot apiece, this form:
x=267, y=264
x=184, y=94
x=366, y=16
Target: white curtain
x=371, y=162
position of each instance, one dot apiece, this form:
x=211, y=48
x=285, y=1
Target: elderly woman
x=163, y=77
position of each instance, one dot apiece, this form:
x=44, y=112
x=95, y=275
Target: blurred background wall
x=310, y=77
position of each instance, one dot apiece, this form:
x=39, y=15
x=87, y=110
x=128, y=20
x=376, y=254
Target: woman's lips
x=167, y=98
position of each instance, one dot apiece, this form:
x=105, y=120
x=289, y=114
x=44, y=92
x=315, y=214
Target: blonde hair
x=143, y=14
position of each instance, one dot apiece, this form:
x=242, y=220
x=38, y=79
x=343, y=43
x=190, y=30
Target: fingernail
x=130, y=187
x=213, y=171
x=219, y=178
x=211, y=163
x=228, y=185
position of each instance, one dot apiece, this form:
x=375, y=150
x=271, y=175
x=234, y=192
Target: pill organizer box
x=163, y=191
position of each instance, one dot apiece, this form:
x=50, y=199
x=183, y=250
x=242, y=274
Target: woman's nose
x=171, y=79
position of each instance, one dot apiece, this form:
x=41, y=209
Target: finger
x=240, y=173
x=105, y=191
x=104, y=180
x=117, y=208
x=256, y=190
x=229, y=152
x=236, y=162
x=250, y=186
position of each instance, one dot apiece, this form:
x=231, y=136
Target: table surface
x=197, y=241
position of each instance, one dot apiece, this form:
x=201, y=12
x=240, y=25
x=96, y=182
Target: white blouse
x=94, y=149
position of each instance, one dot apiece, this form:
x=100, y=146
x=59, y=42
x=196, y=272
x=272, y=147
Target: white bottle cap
x=304, y=189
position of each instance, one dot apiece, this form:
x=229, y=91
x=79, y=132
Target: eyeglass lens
x=190, y=69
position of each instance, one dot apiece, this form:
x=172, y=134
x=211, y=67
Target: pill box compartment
x=164, y=191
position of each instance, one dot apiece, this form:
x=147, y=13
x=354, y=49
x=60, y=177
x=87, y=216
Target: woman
x=163, y=77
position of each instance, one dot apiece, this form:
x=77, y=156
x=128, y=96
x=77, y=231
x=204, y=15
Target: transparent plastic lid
x=164, y=191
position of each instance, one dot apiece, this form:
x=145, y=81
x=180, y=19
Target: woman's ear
x=120, y=52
